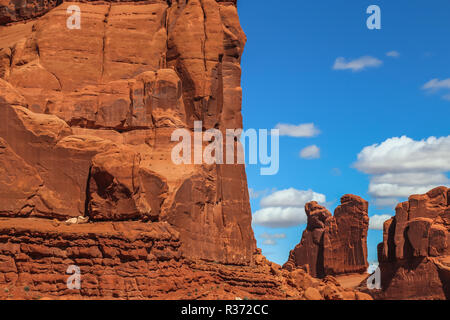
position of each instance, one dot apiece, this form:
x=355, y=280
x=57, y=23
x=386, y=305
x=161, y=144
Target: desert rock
x=414, y=255
x=333, y=245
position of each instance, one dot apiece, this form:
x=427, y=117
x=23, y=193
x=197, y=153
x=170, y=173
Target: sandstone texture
x=87, y=116
x=86, y=174
x=333, y=245
x=415, y=255
x=135, y=260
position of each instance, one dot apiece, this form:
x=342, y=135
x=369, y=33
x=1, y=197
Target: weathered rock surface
x=89, y=115
x=135, y=260
x=333, y=245
x=415, y=254
x=19, y=10
x=87, y=179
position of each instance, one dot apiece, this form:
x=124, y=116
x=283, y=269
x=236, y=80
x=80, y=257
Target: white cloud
x=436, y=84
x=305, y=130
x=285, y=208
x=278, y=217
x=376, y=222
x=311, y=152
x=291, y=198
x=403, y=154
x=393, y=54
x=401, y=166
x=357, y=64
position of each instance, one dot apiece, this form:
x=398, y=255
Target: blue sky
x=288, y=78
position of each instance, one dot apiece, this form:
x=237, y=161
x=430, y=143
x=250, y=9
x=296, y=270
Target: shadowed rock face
x=86, y=117
x=333, y=245
x=415, y=255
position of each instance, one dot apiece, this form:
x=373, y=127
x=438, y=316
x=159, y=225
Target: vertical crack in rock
x=105, y=21
x=88, y=193
x=205, y=35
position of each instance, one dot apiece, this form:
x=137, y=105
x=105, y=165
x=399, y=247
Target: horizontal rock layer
x=135, y=260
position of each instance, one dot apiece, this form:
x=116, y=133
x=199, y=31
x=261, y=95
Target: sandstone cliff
x=89, y=114
x=86, y=117
x=414, y=255
x=333, y=245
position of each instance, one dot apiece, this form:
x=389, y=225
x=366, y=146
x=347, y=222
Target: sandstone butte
x=333, y=245
x=415, y=253
x=86, y=117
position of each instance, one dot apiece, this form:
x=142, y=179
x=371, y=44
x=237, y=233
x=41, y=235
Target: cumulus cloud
x=291, y=198
x=436, y=85
x=305, y=130
x=393, y=54
x=311, y=152
x=401, y=166
x=376, y=222
x=285, y=208
x=358, y=64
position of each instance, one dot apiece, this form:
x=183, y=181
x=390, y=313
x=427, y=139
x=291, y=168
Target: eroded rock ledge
x=135, y=260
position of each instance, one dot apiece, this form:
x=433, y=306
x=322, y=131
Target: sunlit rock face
x=87, y=115
x=86, y=171
x=415, y=254
x=333, y=245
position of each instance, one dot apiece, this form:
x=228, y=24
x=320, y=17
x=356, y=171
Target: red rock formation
x=333, y=245
x=90, y=112
x=86, y=118
x=414, y=255
x=135, y=260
